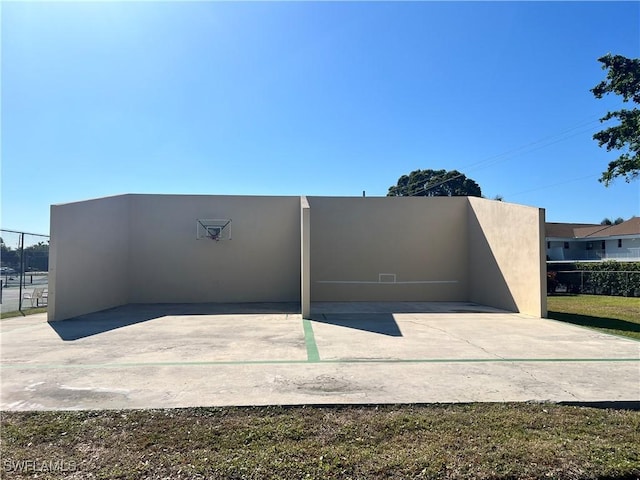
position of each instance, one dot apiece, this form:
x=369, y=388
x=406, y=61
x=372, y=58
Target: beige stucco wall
x=89, y=255
x=261, y=263
x=305, y=258
x=422, y=241
x=142, y=249
x=507, y=256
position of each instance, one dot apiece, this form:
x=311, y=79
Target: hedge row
x=601, y=278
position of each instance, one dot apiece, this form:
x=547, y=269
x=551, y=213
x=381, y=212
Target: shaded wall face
x=143, y=249
x=507, y=256
x=388, y=249
x=261, y=262
x=89, y=255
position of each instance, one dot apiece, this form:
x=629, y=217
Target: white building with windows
x=591, y=242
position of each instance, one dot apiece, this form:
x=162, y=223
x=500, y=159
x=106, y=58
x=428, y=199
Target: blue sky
x=290, y=98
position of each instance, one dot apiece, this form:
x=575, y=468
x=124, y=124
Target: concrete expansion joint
x=537, y=381
x=467, y=341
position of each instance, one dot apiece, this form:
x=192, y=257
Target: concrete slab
x=153, y=356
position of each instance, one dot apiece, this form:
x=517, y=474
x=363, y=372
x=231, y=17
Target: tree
x=37, y=257
x=607, y=221
x=10, y=257
x=623, y=78
x=435, y=183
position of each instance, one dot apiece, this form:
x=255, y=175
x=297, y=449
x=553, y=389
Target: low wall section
x=259, y=264
x=89, y=256
x=143, y=249
x=507, y=266
x=388, y=249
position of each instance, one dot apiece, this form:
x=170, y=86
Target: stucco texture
x=143, y=249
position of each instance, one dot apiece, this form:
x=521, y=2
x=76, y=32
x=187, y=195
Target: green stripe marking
x=310, y=341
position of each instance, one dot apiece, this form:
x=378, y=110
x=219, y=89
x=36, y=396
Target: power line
x=510, y=154
x=552, y=185
x=561, y=139
x=523, y=147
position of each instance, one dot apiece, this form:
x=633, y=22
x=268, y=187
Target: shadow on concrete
x=613, y=405
x=118, y=317
x=381, y=323
x=401, y=307
x=597, y=322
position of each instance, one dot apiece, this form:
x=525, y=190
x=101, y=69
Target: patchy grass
x=617, y=315
x=473, y=441
x=23, y=313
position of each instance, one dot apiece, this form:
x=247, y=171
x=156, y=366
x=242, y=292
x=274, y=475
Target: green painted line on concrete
x=310, y=340
x=31, y=366
x=479, y=360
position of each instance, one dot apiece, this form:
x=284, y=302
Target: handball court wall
x=134, y=248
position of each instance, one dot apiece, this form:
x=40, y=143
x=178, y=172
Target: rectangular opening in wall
x=566, y=245
x=619, y=243
x=387, y=277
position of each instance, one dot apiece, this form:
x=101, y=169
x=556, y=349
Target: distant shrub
x=601, y=278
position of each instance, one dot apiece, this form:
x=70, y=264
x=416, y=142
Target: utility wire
x=523, y=147
x=508, y=155
x=553, y=185
x=561, y=139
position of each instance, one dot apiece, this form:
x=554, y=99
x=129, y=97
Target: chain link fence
x=624, y=283
x=24, y=270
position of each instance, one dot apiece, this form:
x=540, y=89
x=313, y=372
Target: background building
x=591, y=242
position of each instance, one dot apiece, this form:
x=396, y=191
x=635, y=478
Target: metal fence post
x=21, y=271
x=20, y=259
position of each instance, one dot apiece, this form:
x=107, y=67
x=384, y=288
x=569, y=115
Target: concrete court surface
x=156, y=356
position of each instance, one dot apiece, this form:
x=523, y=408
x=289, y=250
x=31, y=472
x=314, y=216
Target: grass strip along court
x=615, y=315
x=473, y=441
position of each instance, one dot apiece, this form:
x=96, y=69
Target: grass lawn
x=617, y=315
x=23, y=313
x=472, y=441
